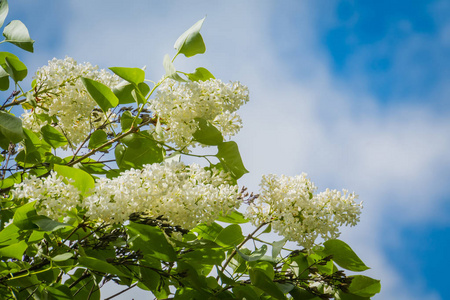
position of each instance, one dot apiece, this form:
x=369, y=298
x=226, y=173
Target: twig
x=121, y=292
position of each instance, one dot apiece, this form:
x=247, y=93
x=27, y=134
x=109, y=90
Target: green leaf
x=63, y=257
x=53, y=137
x=16, y=69
x=191, y=42
x=150, y=240
x=133, y=75
x=264, y=266
x=340, y=295
x=207, y=134
x=245, y=292
x=171, y=72
x=209, y=232
x=24, y=215
x=234, y=217
x=81, y=180
x=364, y=286
x=11, y=127
x=257, y=254
x=123, y=91
x=301, y=294
x=127, y=119
x=263, y=282
x=17, y=34
x=277, y=246
x=15, y=250
x=4, y=80
x=230, y=236
x=3, y=11
x=205, y=256
x=46, y=224
x=99, y=265
x=98, y=138
x=9, y=235
x=101, y=94
x=59, y=292
x=140, y=150
x=10, y=181
x=200, y=74
x=344, y=256
x=230, y=157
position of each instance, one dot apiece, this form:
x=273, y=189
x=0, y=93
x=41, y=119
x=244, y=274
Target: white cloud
x=391, y=156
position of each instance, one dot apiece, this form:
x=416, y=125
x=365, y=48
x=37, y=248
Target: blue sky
x=354, y=93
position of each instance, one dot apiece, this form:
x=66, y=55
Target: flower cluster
x=184, y=195
x=62, y=99
x=53, y=195
x=178, y=104
x=298, y=214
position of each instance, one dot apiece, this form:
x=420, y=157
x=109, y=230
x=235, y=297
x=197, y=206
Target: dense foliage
x=94, y=189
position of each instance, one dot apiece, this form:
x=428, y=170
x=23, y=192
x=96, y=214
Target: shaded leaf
x=263, y=282
x=99, y=265
x=206, y=133
x=234, y=217
x=150, y=240
x=230, y=157
x=230, y=236
x=123, y=91
x=255, y=255
x=98, y=138
x=46, y=224
x=53, y=137
x=364, y=286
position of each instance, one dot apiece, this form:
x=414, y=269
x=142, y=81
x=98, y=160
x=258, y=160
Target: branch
x=121, y=292
x=233, y=253
x=110, y=142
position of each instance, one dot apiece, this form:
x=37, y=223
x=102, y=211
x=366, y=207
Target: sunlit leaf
x=133, y=75
x=191, y=42
x=101, y=94
x=53, y=137
x=17, y=33
x=3, y=11
x=344, y=256
x=81, y=180
x=16, y=69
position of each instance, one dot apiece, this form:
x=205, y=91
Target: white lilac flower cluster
x=63, y=98
x=178, y=104
x=184, y=195
x=53, y=195
x=300, y=215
